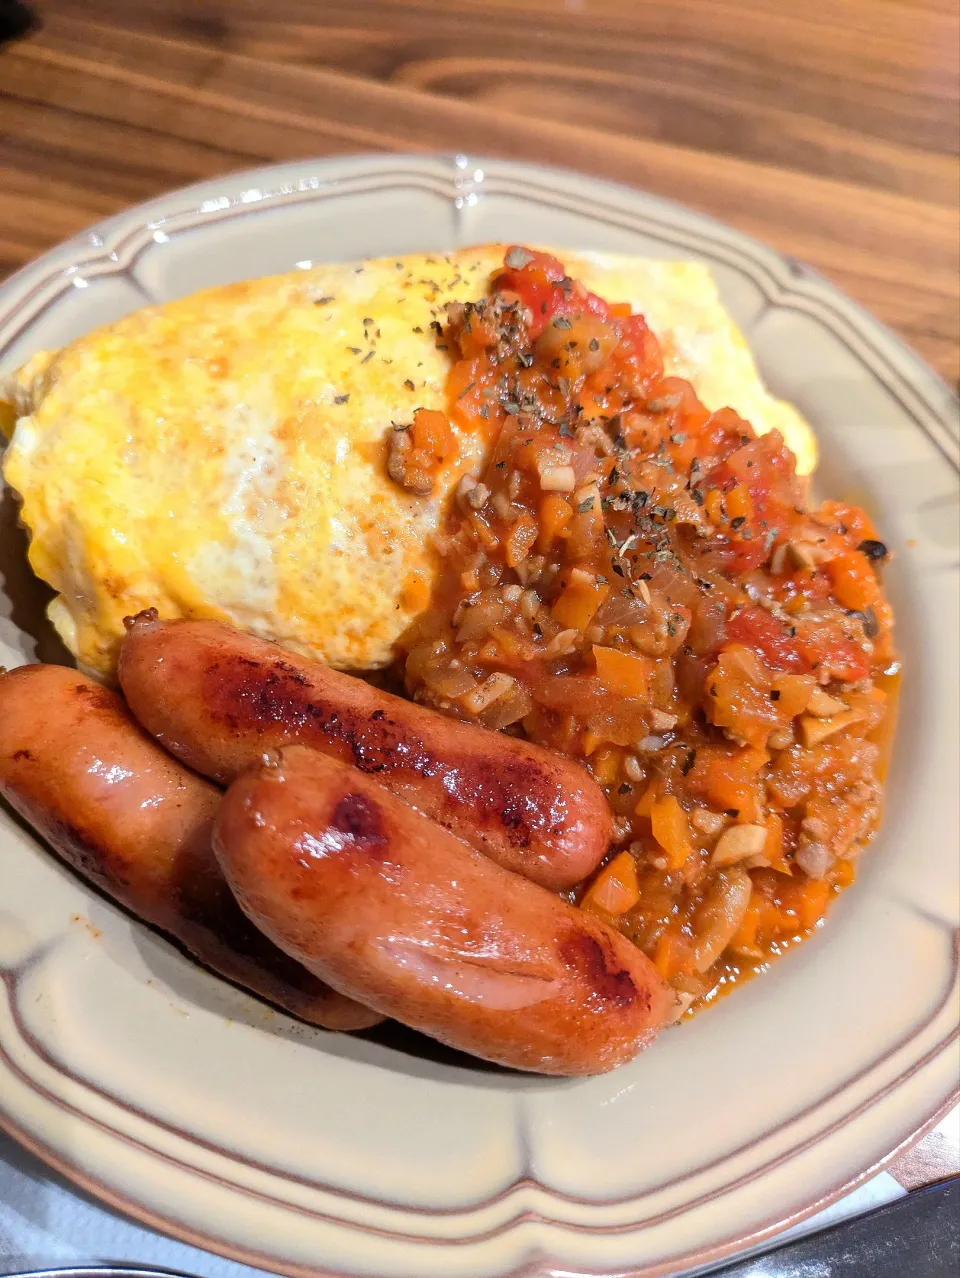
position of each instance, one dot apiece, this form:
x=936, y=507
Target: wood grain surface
x=827, y=128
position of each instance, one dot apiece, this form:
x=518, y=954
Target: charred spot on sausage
x=86, y=854
x=248, y=695
x=511, y=796
x=587, y=956
x=290, y=672
x=358, y=816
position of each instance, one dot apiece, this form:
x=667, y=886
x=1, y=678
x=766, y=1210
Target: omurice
x=254, y=453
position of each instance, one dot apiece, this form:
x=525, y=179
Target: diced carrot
x=672, y=955
x=606, y=765
x=520, y=539
x=812, y=902
x=773, y=848
x=856, y=521
x=432, y=435
x=615, y=889
x=555, y=513
x=854, y=584
x=621, y=671
x=487, y=537
x=738, y=504
x=713, y=505
x=579, y=600
x=763, y=922
x=671, y=830
x=647, y=800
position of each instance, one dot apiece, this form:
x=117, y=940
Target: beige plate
x=202, y=1111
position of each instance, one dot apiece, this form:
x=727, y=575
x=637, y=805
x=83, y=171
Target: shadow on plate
x=24, y=596
x=389, y=1045
x=173, y=968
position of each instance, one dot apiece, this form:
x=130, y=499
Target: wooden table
x=827, y=128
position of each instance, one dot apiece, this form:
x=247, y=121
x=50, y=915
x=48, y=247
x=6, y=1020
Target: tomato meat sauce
x=641, y=584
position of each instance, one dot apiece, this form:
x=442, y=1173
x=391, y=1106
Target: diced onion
x=814, y=859
x=510, y=708
x=493, y=687
x=450, y=683
x=558, y=479
x=480, y=619
x=619, y=610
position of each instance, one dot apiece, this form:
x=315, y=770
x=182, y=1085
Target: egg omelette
x=224, y=455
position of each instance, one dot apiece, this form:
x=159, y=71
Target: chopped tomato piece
x=545, y=289
x=727, y=776
x=758, y=629
x=646, y=801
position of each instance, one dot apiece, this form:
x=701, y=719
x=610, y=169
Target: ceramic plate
x=206, y=1113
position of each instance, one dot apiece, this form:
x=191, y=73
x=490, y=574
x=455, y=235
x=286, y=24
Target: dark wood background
x=828, y=128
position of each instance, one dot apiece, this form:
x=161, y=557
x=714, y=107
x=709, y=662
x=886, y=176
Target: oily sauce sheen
x=641, y=584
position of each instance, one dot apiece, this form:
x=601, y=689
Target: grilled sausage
x=389, y=908
x=138, y=825
x=217, y=698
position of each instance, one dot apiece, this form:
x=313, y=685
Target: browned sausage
x=138, y=825
x=218, y=698
x=396, y=912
